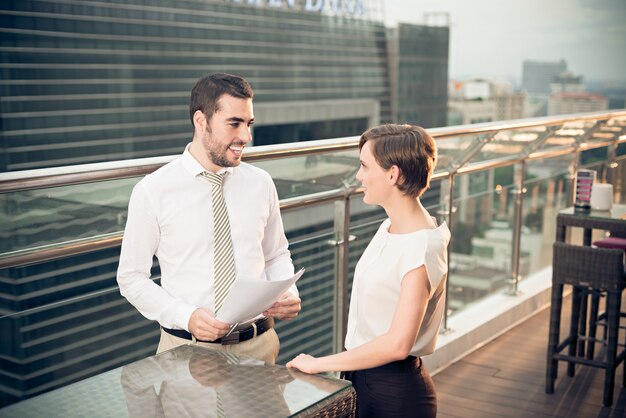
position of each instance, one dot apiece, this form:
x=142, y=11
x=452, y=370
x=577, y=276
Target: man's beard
x=218, y=158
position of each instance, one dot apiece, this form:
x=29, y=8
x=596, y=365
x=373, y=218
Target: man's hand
x=204, y=326
x=286, y=307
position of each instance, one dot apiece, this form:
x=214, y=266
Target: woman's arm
x=394, y=345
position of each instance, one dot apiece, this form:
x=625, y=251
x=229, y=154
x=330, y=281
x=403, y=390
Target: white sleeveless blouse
x=378, y=276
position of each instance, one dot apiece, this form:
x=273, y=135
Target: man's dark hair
x=208, y=90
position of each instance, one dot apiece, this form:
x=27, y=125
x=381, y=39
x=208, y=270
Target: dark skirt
x=399, y=389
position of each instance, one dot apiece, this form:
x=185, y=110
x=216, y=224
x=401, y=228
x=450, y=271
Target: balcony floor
x=506, y=378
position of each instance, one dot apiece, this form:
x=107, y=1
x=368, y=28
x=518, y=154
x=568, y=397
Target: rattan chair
x=341, y=405
x=586, y=269
x=614, y=241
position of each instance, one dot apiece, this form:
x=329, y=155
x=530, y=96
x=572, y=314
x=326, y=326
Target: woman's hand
x=305, y=363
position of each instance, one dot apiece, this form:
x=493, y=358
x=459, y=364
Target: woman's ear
x=394, y=175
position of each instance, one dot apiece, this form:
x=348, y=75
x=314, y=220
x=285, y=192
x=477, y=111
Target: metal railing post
x=342, y=267
x=519, y=171
x=519, y=177
x=612, y=163
x=446, y=212
x=572, y=168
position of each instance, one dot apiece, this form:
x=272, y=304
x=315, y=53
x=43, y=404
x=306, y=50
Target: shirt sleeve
x=414, y=257
x=278, y=264
x=139, y=245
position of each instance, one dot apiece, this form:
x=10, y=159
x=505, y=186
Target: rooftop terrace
x=498, y=185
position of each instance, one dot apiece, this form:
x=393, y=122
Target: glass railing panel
x=43, y=217
x=595, y=156
x=571, y=132
x=566, y=136
x=608, y=131
x=598, y=166
x=619, y=121
x=310, y=234
x=482, y=234
x=298, y=176
x=450, y=149
x=507, y=143
x=64, y=341
x=548, y=187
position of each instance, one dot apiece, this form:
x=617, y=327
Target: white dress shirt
x=378, y=277
x=170, y=216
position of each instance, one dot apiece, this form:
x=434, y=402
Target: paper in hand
x=248, y=298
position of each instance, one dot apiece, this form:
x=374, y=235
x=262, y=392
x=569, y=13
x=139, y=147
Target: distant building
x=615, y=92
x=566, y=103
x=537, y=75
x=477, y=100
x=419, y=70
x=535, y=105
x=567, y=82
x=510, y=106
x=569, y=95
x=552, y=90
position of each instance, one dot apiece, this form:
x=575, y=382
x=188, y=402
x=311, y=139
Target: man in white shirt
x=171, y=215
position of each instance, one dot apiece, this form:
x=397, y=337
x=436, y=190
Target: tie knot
x=214, y=178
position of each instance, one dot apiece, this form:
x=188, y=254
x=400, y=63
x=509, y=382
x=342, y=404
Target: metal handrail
x=54, y=251
x=86, y=173
x=63, y=176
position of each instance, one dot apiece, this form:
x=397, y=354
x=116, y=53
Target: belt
x=252, y=330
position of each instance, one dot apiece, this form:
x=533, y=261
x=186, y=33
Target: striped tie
x=224, y=261
x=221, y=412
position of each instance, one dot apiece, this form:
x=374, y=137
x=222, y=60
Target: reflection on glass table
x=195, y=382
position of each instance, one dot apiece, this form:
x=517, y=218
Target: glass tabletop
x=186, y=381
x=617, y=212
x=613, y=221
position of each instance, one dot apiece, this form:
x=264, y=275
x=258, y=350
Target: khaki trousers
x=264, y=347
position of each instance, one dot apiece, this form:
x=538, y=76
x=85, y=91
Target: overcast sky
x=494, y=37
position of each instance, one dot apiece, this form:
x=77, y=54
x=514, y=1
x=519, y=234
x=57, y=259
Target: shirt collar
x=194, y=168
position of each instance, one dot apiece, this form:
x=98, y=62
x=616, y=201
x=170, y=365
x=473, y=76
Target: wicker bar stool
x=614, y=241
x=586, y=268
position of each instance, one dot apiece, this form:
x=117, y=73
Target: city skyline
x=492, y=39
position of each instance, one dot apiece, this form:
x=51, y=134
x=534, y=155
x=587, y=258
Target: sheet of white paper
x=248, y=298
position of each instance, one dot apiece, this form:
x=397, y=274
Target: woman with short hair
x=398, y=293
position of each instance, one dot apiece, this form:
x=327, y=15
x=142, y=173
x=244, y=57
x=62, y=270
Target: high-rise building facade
x=106, y=80
x=421, y=68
